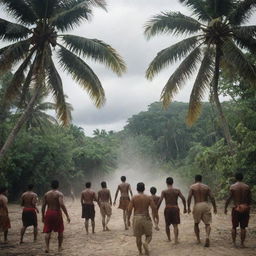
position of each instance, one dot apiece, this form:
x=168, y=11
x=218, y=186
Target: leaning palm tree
x=36, y=37
x=217, y=40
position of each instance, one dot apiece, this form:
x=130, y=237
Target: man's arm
x=22, y=200
x=34, y=202
x=81, y=199
x=43, y=208
x=130, y=190
x=250, y=197
x=117, y=190
x=213, y=201
x=228, y=201
x=110, y=198
x=160, y=200
x=189, y=199
x=183, y=201
x=154, y=210
x=130, y=208
x=63, y=207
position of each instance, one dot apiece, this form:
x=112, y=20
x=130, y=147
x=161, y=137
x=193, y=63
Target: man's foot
x=207, y=242
x=157, y=228
x=198, y=241
x=243, y=246
x=234, y=244
x=21, y=242
x=60, y=249
x=107, y=229
x=145, y=246
x=176, y=242
x=126, y=228
x=6, y=241
x=46, y=250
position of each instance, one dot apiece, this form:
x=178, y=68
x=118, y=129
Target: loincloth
x=172, y=215
x=53, y=221
x=202, y=211
x=142, y=225
x=124, y=203
x=105, y=208
x=88, y=211
x=4, y=220
x=240, y=216
x=29, y=217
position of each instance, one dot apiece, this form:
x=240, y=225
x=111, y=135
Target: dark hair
x=30, y=186
x=123, y=178
x=103, y=184
x=88, y=184
x=169, y=181
x=153, y=190
x=55, y=184
x=239, y=176
x=140, y=187
x=2, y=190
x=198, y=177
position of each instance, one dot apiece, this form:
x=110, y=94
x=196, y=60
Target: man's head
x=88, y=184
x=153, y=190
x=103, y=184
x=198, y=178
x=140, y=187
x=30, y=187
x=123, y=178
x=169, y=181
x=55, y=184
x=3, y=190
x=239, y=176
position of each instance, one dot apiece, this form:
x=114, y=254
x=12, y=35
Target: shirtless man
x=156, y=199
x=142, y=224
x=240, y=193
x=4, y=216
x=29, y=214
x=202, y=210
x=105, y=203
x=124, y=189
x=52, y=219
x=172, y=211
x=88, y=209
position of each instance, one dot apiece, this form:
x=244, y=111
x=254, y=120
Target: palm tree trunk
x=24, y=117
x=222, y=118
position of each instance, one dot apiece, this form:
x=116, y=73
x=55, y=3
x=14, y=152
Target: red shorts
x=240, y=218
x=53, y=221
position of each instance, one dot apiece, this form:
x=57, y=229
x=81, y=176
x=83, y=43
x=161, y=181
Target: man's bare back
x=171, y=196
x=141, y=204
x=124, y=189
x=241, y=193
x=3, y=203
x=155, y=199
x=29, y=199
x=88, y=196
x=52, y=199
x=200, y=192
x=104, y=195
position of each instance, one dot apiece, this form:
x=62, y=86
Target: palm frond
x=245, y=38
x=172, y=23
x=202, y=83
x=180, y=75
x=235, y=57
x=46, y=8
x=96, y=50
x=21, y=10
x=12, y=54
x=12, y=32
x=83, y=74
x=220, y=8
x=242, y=12
x=170, y=55
x=199, y=8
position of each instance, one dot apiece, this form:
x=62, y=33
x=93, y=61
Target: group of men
x=53, y=205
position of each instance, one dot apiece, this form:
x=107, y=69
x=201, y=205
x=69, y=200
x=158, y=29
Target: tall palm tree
x=36, y=37
x=217, y=40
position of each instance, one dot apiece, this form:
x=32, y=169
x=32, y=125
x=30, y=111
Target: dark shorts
x=240, y=219
x=29, y=217
x=88, y=211
x=172, y=215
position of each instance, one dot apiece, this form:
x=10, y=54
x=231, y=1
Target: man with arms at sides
x=202, y=209
x=4, y=215
x=124, y=189
x=172, y=211
x=105, y=203
x=52, y=219
x=142, y=224
x=29, y=214
x=88, y=209
x=240, y=193
x=156, y=199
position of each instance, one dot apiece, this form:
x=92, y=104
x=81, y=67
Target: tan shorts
x=105, y=209
x=142, y=225
x=202, y=211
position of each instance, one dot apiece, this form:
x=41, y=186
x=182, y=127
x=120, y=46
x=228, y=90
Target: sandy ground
x=120, y=242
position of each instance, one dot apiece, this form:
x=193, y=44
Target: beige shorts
x=202, y=211
x=105, y=209
x=142, y=225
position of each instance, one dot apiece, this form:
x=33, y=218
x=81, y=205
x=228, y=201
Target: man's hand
x=215, y=210
x=43, y=219
x=129, y=223
x=114, y=203
x=68, y=219
x=185, y=211
x=189, y=210
x=226, y=211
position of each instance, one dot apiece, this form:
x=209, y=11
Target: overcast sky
x=122, y=28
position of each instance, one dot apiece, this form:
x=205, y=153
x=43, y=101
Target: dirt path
x=118, y=242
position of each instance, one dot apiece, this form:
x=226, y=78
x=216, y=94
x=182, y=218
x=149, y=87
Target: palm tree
x=36, y=37
x=217, y=40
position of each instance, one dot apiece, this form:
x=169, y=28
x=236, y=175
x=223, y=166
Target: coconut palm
x=36, y=36
x=217, y=39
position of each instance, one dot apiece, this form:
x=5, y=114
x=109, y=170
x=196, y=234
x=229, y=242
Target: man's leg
x=93, y=226
x=139, y=244
x=35, y=233
x=86, y=224
x=22, y=232
x=145, y=245
x=243, y=236
x=234, y=236
x=60, y=240
x=5, y=236
x=168, y=232
x=47, y=242
x=103, y=222
x=125, y=219
x=197, y=232
x=208, y=231
x=176, y=233
x=107, y=221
